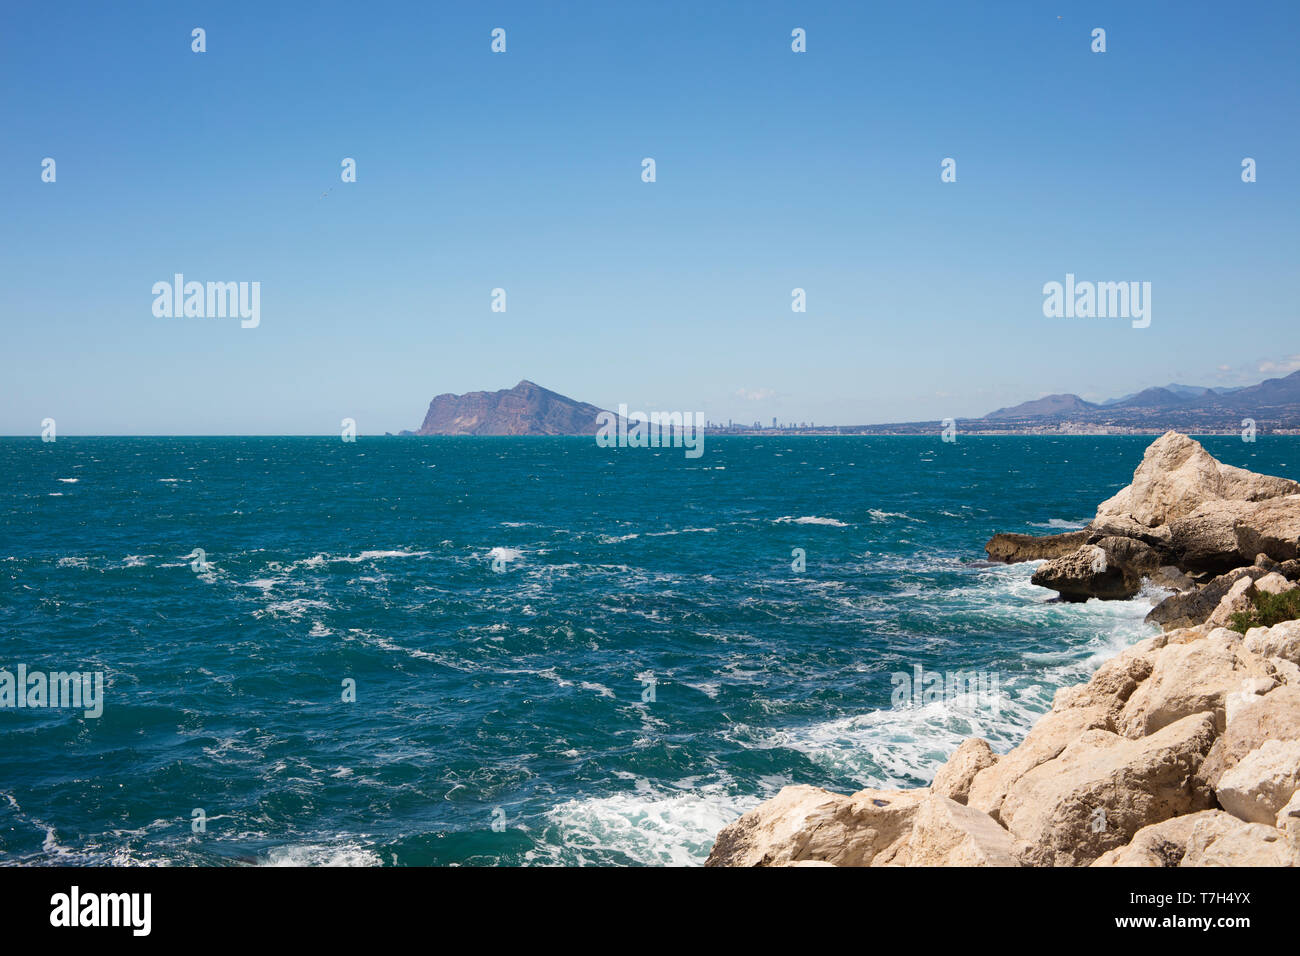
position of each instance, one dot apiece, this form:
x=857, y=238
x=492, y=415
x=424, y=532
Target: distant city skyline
x=418, y=214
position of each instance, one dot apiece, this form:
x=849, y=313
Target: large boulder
x=1190, y=679
x=1111, y=569
x=1262, y=783
x=1177, y=476
x=803, y=823
x=1206, y=539
x=1207, y=838
x=1271, y=527
x=1274, y=583
x=1220, y=842
x=1113, y=684
x=1095, y=705
x=1011, y=548
x=1055, y=730
x=1103, y=788
x=1240, y=599
x=1281, y=640
x=1191, y=608
x=1164, y=844
x=1168, y=576
x=1224, y=534
x=1125, y=526
x=953, y=780
x=1250, y=692
x=1084, y=574
x=1274, y=715
x=946, y=833
x=1136, y=557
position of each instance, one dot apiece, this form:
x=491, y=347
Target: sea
x=406, y=651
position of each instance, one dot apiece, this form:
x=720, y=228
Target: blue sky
x=522, y=170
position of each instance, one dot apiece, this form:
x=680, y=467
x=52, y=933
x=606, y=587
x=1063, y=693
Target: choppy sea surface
x=562, y=654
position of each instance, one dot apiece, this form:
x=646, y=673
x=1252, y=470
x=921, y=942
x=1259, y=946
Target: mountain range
x=1187, y=391
x=1273, y=405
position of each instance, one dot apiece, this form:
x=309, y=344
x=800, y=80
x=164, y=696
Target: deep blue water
x=516, y=694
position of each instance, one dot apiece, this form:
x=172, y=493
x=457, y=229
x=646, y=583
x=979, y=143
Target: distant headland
x=526, y=409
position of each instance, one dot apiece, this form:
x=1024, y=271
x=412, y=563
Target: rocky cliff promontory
x=526, y=409
x=1185, y=518
x=1182, y=750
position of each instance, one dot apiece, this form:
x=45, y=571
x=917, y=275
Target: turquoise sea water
x=504, y=607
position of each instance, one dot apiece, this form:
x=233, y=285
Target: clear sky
x=522, y=170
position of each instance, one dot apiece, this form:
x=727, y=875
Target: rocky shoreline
x=1181, y=750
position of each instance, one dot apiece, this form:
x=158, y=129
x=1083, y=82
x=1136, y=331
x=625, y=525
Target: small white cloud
x=1284, y=367
x=755, y=394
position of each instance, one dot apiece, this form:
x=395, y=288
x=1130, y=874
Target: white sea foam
x=387, y=644
x=262, y=584
x=92, y=853
x=321, y=559
x=1060, y=524
x=902, y=746
x=878, y=515
x=651, y=824
x=294, y=609
x=378, y=555
x=812, y=519
x=318, y=854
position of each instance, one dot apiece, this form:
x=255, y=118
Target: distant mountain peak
x=1047, y=406
x=526, y=409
